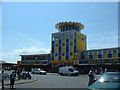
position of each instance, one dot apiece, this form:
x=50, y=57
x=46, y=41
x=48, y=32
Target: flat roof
x=35, y=54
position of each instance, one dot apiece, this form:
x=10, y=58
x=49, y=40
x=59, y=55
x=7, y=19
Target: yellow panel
x=63, y=49
x=115, y=55
x=56, y=42
x=71, y=48
x=71, y=57
x=56, y=58
x=56, y=49
x=95, y=56
x=63, y=41
x=104, y=55
x=63, y=57
x=80, y=44
x=86, y=56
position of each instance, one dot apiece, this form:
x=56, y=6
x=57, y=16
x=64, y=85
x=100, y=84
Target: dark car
x=107, y=80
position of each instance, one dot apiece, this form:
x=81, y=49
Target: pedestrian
x=105, y=70
x=92, y=77
x=3, y=77
x=18, y=74
x=12, y=79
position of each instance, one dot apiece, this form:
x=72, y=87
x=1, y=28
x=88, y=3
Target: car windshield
x=110, y=78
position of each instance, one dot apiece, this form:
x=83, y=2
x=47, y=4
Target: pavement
x=22, y=81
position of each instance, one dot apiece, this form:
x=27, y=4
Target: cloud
x=14, y=55
x=103, y=40
x=29, y=40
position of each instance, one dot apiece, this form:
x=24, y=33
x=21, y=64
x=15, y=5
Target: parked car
x=68, y=70
x=38, y=71
x=107, y=80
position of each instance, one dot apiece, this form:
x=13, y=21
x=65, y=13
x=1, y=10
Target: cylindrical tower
x=67, y=26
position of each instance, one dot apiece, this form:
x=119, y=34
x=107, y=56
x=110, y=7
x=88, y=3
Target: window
x=104, y=52
x=56, y=54
x=109, y=52
x=83, y=39
x=79, y=37
x=90, y=53
x=99, y=52
x=114, y=51
x=109, y=55
x=56, y=45
x=90, y=56
x=71, y=43
x=63, y=44
x=95, y=52
x=71, y=54
x=63, y=54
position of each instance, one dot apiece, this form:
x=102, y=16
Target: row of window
x=81, y=38
x=63, y=44
x=100, y=56
x=100, y=52
x=34, y=62
x=62, y=36
x=65, y=28
x=34, y=58
x=63, y=54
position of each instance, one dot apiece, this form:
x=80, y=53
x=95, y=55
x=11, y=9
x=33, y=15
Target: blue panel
x=90, y=56
x=52, y=49
x=45, y=62
x=66, y=57
x=83, y=62
x=74, y=45
x=106, y=61
x=67, y=40
x=109, y=55
x=100, y=56
x=67, y=48
x=52, y=58
x=59, y=49
x=82, y=57
x=118, y=54
x=53, y=42
x=59, y=41
x=59, y=57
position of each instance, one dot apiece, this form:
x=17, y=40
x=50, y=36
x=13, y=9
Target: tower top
x=67, y=26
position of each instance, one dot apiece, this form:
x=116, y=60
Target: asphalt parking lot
x=54, y=80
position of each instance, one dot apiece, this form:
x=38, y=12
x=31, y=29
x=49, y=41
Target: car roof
x=111, y=73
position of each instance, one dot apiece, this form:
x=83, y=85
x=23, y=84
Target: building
x=68, y=47
x=7, y=66
x=34, y=61
x=67, y=42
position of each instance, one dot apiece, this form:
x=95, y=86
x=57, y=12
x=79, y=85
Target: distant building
x=35, y=59
x=7, y=66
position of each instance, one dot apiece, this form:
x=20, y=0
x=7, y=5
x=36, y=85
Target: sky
x=27, y=26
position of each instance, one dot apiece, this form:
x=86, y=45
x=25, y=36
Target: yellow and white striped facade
x=67, y=42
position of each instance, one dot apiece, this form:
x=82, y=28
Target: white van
x=68, y=70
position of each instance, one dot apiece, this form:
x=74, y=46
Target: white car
x=38, y=71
